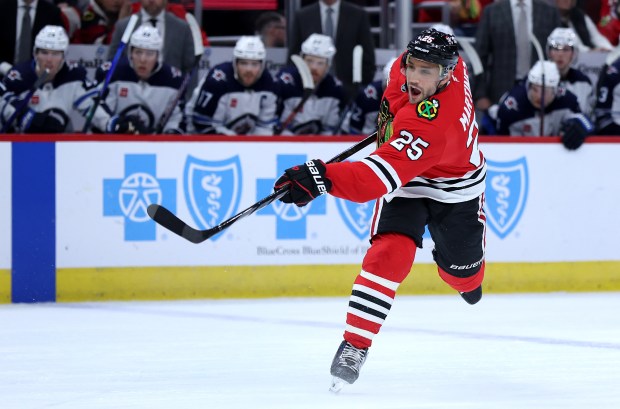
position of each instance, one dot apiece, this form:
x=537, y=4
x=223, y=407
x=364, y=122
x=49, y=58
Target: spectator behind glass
x=609, y=25
x=464, y=14
x=562, y=50
x=519, y=113
x=178, y=45
x=348, y=26
x=50, y=107
x=98, y=20
x=42, y=13
x=504, y=48
x=588, y=35
x=238, y=97
x=271, y=28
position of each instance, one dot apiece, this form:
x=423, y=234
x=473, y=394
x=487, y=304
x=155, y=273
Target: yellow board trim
x=5, y=286
x=170, y=283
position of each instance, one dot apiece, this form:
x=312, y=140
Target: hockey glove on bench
x=306, y=182
x=574, y=131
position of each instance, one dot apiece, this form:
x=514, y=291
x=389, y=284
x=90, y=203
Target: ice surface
x=507, y=352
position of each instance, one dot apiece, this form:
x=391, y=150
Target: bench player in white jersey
x=237, y=97
x=519, y=112
x=361, y=118
x=562, y=49
x=321, y=111
x=52, y=104
x=141, y=88
x=427, y=171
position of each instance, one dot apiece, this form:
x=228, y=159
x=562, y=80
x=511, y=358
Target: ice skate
x=473, y=296
x=346, y=365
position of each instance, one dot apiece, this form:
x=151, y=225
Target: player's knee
x=391, y=256
x=463, y=278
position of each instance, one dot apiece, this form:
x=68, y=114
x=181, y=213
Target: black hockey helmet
x=435, y=47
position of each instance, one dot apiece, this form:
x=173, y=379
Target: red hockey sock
x=463, y=284
x=385, y=266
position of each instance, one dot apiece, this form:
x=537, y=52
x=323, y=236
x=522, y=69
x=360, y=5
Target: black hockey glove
x=40, y=122
x=126, y=125
x=574, y=131
x=306, y=182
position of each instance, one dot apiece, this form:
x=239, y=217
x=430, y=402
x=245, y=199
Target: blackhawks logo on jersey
x=428, y=109
x=384, y=122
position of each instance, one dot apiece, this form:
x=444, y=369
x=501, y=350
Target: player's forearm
x=354, y=181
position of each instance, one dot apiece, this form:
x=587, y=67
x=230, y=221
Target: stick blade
x=168, y=220
x=304, y=72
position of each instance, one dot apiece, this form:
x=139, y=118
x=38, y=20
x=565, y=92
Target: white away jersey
x=221, y=105
x=130, y=96
x=59, y=97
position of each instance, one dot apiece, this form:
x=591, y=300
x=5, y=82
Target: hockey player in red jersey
x=427, y=171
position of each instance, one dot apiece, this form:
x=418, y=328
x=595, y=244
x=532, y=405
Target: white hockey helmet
x=249, y=48
x=146, y=37
x=549, y=70
x=51, y=38
x=319, y=45
x=444, y=28
x=561, y=38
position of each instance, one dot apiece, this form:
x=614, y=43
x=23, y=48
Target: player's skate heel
x=346, y=365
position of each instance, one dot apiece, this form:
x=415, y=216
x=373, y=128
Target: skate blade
x=337, y=385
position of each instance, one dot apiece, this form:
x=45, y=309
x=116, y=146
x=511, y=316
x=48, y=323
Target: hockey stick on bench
x=199, y=50
x=308, y=90
x=167, y=219
x=131, y=24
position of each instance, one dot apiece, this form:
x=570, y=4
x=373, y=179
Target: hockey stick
x=133, y=20
x=472, y=55
x=167, y=219
x=198, y=51
x=358, y=53
x=541, y=58
x=308, y=84
x=23, y=104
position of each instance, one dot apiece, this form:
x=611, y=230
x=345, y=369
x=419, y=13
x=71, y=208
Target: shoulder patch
x=218, y=75
x=428, y=109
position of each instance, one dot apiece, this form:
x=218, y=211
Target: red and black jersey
x=95, y=27
x=432, y=149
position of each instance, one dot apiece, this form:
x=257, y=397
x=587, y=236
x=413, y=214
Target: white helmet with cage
x=561, y=38
x=249, y=48
x=547, y=70
x=146, y=37
x=51, y=38
x=319, y=45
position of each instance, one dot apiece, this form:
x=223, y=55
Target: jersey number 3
x=414, y=148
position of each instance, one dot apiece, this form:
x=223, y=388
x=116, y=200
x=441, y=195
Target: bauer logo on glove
x=305, y=183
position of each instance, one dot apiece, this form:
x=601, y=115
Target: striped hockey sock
x=385, y=266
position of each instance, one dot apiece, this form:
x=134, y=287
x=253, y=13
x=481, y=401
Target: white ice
x=530, y=351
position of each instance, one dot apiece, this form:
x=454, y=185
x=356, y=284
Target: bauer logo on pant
x=506, y=194
x=212, y=189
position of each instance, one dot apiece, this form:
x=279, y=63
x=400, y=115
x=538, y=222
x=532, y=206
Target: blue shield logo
x=506, y=194
x=212, y=189
x=357, y=216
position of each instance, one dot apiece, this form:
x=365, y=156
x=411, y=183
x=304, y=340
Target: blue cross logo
x=290, y=219
x=129, y=197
